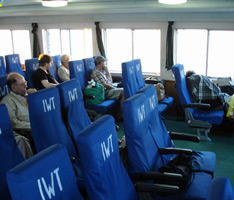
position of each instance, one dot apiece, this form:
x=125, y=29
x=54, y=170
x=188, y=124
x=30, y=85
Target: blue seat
x=10, y=155
x=202, y=160
x=104, y=173
x=129, y=79
x=47, y=124
x=89, y=66
x=202, y=120
x=139, y=77
x=13, y=64
x=73, y=110
x=141, y=82
x=221, y=188
x=47, y=175
x=4, y=89
x=54, y=67
x=133, y=80
x=2, y=67
x=78, y=70
x=31, y=66
x=143, y=152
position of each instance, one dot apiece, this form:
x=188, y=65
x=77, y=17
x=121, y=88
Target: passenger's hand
x=31, y=90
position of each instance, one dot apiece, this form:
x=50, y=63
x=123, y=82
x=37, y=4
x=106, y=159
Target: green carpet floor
x=222, y=143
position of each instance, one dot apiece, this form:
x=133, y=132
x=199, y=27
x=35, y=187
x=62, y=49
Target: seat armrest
x=146, y=176
x=175, y=151
x=151, y=81
x=197, y=105
x=184, y=136
x=152, y=187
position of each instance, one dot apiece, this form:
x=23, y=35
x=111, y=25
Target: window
x=15, y=42
x=76, y=43
x=191, y=50
x=206, y=52
x=221, y=50
x=126, y=44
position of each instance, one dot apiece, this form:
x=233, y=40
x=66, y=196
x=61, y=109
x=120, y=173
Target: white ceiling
x=34, y=8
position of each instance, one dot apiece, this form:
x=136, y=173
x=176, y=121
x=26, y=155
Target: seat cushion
x=212, y=117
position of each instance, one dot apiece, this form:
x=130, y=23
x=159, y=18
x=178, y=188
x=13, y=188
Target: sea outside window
x=75, y=42
x=123, y=45
x=206, y=52
x=16, y=42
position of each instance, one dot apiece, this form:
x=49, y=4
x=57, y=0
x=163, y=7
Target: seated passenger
x=63, y=70
x=101, y=74
x=203, y=90
x=17, y=107
x=42, y=77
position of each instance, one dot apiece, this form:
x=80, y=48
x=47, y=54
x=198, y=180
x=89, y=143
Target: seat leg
x=203, y=134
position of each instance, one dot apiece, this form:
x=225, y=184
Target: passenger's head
x=189, y=73
x=16, y=83
x=45, y=59
x=99, y=60
x=65, y=60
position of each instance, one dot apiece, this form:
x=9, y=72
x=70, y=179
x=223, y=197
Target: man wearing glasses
x=16, y=103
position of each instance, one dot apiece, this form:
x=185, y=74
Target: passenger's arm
x=108, y=74
x=108, y=87
x=16, y=122
x=46, y=83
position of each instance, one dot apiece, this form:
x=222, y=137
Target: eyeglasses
x=22, y=84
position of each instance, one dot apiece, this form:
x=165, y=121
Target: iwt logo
x=47, y=189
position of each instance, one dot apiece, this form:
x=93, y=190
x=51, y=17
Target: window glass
x=126, y=44
x=65, y=42
x=6, y=47
x=192, y=50
x=53, y=42
x=221, y=48
x=118, y=47
x=21, y=41
x=147, y=47
x=76, y=43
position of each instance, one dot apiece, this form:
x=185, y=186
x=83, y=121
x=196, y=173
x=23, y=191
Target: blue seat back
x=13, y=64
x=181, y=86
x=54, y=67
x=31, y=66
x=139, y=76
x=2, y=67
x=158, y=129
x=142, y=150
x=10, y=155
x=77, y=70
x=105, y=175
x=4, y=89
x=47, y=175
x=46, y=121
x=89, y=67
x=129, y=79
x=73, y=108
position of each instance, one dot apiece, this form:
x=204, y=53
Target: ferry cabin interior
x=203, y=41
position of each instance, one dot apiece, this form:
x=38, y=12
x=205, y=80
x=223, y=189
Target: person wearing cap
x=102, y=75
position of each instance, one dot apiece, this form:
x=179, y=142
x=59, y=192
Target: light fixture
x=172, y=1
x=54, y=3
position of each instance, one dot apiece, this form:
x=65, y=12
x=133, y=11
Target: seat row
x=97, y=166
x=132, y=80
